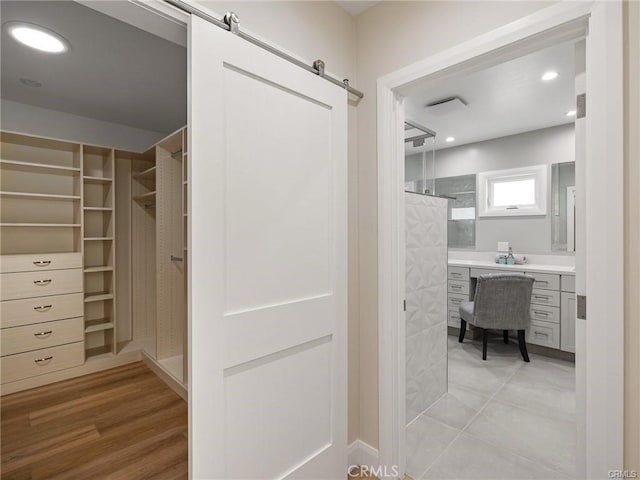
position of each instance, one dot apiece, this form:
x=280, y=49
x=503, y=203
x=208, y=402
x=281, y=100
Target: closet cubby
x=40, y=192
x=98, y=226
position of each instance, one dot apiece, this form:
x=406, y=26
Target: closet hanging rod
x=231, y=23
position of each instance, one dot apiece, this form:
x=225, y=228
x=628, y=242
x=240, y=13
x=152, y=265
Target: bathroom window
x=517, y=191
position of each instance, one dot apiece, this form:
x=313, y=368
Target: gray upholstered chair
x=501, y=302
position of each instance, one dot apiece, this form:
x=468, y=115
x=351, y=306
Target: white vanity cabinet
x=568, y=309
x=552, y=302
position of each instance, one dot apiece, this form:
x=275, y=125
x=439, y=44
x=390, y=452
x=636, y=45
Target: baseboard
x=362, y=454
x=165, y=376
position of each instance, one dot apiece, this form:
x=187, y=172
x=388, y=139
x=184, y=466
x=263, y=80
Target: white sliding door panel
x=267, y=265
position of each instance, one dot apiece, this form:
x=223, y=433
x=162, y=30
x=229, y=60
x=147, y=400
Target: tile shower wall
x=426, y=293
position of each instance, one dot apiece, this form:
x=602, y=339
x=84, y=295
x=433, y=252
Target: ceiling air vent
x=446, y=106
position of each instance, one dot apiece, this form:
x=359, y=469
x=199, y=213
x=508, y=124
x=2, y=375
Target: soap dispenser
x=510, y=258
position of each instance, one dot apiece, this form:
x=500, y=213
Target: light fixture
x=571, y=113
x=449, y=139
x=37, y=37
x=549, y=76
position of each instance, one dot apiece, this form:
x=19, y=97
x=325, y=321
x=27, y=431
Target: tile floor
x=501, y=419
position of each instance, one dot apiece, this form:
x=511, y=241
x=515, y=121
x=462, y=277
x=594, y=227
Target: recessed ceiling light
x=449, y=139
x=571, y=113
x=549, y=76
x=30, y=83
x=37, y=37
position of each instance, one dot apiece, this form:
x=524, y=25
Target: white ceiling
x=356, y=7
x=503, y=100
x=113, y=71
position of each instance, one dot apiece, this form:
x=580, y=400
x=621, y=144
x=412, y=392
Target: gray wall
x=545, y=146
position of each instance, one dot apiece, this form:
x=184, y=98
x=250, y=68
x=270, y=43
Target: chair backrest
x=502, y=301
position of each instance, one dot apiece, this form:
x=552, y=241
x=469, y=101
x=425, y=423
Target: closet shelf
x=38, y=166
x=98, y=353
x=148, y=174
x=39, y=196
x=146, y=196
x=98, y=239
x=89, y=179
x=98, y=325
x=99, y=297
x=48, y=225
x=98, y=209
x=105, y=268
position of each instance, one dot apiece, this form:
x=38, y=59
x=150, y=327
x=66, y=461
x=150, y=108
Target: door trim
x=603, y=426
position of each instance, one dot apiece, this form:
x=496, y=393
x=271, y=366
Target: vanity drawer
x=458, y=286
x=476, y=272
x=39, y=362
x=454, y=319
x=458, y=273
x=16, y=313
x=545, y=297
x=544, y=333
x=455, y=299
x=545, y=313
x=38, y=284
x=545, y=281
x=568, y=283
x=38, y=262
x=41, y=335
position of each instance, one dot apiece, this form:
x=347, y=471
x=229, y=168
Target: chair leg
x=523, y=346
x=485, y=334
x=505, y=336
x=463, y=330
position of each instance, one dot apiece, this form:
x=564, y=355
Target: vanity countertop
x=528, y=267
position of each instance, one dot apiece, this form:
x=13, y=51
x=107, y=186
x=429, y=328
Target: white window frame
x=487, y=179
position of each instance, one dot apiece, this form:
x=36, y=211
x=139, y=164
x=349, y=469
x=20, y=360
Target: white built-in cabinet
x=92, y=258
x=552, y=309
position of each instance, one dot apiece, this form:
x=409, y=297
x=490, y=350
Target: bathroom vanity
x=552, y=302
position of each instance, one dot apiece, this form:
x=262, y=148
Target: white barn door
x=267, y=263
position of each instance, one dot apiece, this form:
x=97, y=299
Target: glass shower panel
x=419, y=163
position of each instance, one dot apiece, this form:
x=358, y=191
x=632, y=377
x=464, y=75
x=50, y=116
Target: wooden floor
x=123, y=423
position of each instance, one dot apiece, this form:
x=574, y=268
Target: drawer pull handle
x=542, y=281
x=43, y=334
x=42, y=283
x=456, y=287
x=546, y=314
x=42, y=263
x=42, y=308
x=545, y=297
x=176, y=259
x=541, y=334
x=43, y=360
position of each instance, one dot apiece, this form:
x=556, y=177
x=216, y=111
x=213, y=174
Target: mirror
x=563, y=190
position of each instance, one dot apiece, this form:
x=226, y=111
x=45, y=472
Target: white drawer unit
x=458, y=273
x=545, y=281
x=16, y=313
x=458, y=286
x=545, y=297
x=40, y=362
x=454, y=300
x=38, y=284
x=568, y=283
x=545, y=313
x=545, y=334
x=41, y=335
x=39, y=262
